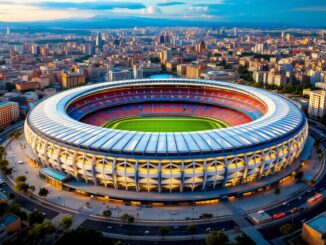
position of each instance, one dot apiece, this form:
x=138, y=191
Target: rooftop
x=318, y=223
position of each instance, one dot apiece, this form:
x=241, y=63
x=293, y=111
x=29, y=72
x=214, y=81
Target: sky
x=309, y=12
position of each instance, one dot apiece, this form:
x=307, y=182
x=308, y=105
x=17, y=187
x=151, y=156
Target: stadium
x=166, y=135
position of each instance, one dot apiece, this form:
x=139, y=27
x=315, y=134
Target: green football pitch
x=165, y=124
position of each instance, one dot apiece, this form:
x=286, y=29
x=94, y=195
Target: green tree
x=87, y=236
x=31, y=188
x=192, y=229
x=298, y=175
x=35, y=217
x=277, y=190
x=21, y=187
x=66, y=223
x=20, y=178
x=39, y=231
x=243, y=239
x=3, y=207
x=286, y=229
x=9, y=87
x=216, y=237
x=164, y=231
x=43, y=192
x=15, y=208
x=127, y=218
x=107, y=213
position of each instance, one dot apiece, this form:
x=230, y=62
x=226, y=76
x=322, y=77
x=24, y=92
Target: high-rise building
x=259, y=48
x=8, y=31
x=89, y=49
x=288, y=37
x=34, y=49
x=9, y=111
x=235, y=31
x=99, y=41
x=70, y=79
x=317, y=103
x=193, y=72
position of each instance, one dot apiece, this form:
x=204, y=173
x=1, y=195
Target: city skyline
x=301, y=13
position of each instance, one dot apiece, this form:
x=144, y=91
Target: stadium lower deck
x=226, y=106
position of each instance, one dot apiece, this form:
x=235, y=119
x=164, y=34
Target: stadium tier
x=265, y=134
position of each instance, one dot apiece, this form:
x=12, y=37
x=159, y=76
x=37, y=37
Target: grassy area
x=165, y=124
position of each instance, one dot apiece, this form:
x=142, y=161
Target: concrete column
x=94, y=171
x=114, y=173
x=205, y=176
x=137, y=176
x=159, y=177
x=245, y=171
x=226, y=173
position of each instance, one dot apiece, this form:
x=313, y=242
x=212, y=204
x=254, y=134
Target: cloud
x=311, y=9
x=90, y=5
x=165, y=4
x=198, y=8
x=152, y=10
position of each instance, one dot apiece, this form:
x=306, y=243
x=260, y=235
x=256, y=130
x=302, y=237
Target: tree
x=87, y=236
x=21, y=187
x=35, y=217
x=9, y=87
x=311, y=182
x=107, y=213
x=243, y=239
x=11, y=195
x=277, y=190
x=192, y=229
x=164, y=230
x=39, y=231
x=127, y=218
x=3, y=207
x=31, y=188
x=299, y=175
x=286, y=229
x=66, y=223
x=216, y=237
x=43, y=192
x=20, y=179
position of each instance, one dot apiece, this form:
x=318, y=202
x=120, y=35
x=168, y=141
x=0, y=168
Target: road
x=154, y=229
x=5, y=134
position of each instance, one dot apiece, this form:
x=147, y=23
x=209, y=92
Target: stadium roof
x=283, y=119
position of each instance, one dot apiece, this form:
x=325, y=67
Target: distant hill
x=103, y=22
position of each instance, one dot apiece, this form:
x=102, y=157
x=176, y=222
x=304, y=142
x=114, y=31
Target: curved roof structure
x=282, y=120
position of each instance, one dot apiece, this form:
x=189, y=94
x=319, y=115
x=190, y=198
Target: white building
x=119, y=74
x=317, y=103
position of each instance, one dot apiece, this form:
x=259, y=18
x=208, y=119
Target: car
x=284, y=203
x=261, y=211
x=300, y=197
x=208, y=230
x=314, y=198
x=294, y=210
x=109, y=227
x=279, y=215
x=146, y=233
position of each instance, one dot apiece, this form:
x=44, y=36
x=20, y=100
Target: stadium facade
x=266, y=134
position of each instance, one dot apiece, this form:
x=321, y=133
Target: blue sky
x=303, y=12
